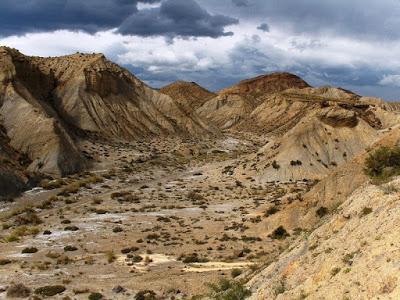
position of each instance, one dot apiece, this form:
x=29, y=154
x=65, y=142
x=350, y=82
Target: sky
x=354, y=44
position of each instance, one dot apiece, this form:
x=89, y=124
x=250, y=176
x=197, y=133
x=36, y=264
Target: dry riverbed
x=151, y=216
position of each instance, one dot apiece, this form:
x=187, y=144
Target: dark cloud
x=263, y=27
x=173, y=18
x=183, y=18
x=241, y=3
x=22, y=16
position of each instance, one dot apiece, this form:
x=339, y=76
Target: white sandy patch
x=216, y=266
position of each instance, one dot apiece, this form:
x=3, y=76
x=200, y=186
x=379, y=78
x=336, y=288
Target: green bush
x=382, y=164
x=228, y=290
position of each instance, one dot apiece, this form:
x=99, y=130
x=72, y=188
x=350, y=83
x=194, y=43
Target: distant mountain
x=234, y=104
x=189, y=94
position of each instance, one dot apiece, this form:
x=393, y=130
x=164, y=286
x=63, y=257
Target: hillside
x=343, y=251
x=234, y=105
x=352, y=255
x=267, y=84
x=61, y=97
x=188, y=94
x=312, y=131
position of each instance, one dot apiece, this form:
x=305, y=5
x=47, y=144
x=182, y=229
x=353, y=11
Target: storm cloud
x=23, y=16
x=173, y=17
x=177, y=18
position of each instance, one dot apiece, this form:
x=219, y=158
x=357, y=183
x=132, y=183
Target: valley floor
x=145, y=218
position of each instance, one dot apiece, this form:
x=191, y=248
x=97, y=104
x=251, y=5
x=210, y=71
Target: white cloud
x=218, y=62
x=390, y=80
x=142, y=5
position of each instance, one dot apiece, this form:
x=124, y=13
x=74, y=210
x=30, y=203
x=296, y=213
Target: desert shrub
x=136, y=258
x=366, y=211
x=11, y=238
x=321, y=212
x=228, y=290
x=382, y=164
x=71, y=228
x=192, y=258
x=275, y=165
x=70, y=189
x=389, y=189
x=279, y=287
x=194, y=196
x=4, y=261
x=18, y=291
x=335, y=271
x=145, y=295
x=95, y=296
x=70, y=248
x=52, y=184
x=236, y=272
x=271, y=211
x=279, y=233
x=50, y=290
x=129, y=250
x=153, y=236
x=294, y=163
x=117, y=229
x=29, y=250
x=28, y=218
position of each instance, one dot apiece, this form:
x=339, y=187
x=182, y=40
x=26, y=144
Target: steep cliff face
x=30, y=121
x=13, y=179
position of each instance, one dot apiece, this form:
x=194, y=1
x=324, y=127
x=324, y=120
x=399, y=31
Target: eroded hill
x=235, y=104
x=47, y=103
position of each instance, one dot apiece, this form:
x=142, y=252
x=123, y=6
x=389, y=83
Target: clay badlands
x=113, y=190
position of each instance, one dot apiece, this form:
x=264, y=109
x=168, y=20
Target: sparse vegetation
x=275, y=165
x=335, y=271
x=95, y=296
x=146, y=295
x=279, y=287
x=295, y=163
x=322, y=211
x=50, y=290
x=228, y=290
x=279, y=233
x=366, y=211
x=18, y=291
x=236, y=272
x=383, y=164
x=29, y=250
